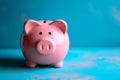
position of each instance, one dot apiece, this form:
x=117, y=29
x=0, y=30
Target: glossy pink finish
x=45, y=42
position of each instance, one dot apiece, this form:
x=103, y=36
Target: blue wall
x=91, y=23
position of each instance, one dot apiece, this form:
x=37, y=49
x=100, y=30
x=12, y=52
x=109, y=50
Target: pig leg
x=30, y=64
x=58, y=64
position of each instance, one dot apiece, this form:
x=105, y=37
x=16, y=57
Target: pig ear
x=61, y=24
x=29, y=25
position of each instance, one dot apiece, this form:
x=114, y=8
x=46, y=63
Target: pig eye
x=40, y=33
x=44, y=21
x=49, y=33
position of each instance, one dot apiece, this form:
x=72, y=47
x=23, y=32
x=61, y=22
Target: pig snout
x=46, y=46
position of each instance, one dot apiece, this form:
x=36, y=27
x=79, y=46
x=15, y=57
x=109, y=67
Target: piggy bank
x=45, y=42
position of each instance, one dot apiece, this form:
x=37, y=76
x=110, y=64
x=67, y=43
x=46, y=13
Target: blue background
x=91, y=23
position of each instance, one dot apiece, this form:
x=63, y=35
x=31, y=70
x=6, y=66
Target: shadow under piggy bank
x=13, y=63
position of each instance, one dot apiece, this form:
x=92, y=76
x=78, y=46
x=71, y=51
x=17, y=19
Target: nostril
x=42, y=46
x=49, y=46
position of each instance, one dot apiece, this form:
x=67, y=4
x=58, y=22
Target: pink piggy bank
x=45, y=42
